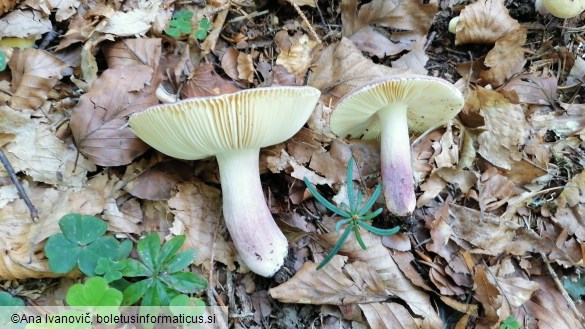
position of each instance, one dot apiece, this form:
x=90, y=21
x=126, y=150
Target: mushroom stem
x=256, y=236
x=397, y=178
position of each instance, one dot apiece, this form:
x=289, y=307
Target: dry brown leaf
x=340, y=67
x=155, y=182
x=389, y=315
x=297, y=58
x=206, y=82
x=484, y=21
x=136, y=21
x=531, y=89
x=7, y=5
x=494, y=190
x=35, y=150
x=21, y=243
x=416, y=59
x=229, y=62
x=98, y=121
x=380, y=259
x=505, y=128
x=245, y=67
x=506, y=59
x=491, y=235
x=487, y=293
x=404, y=15
x=34, y=73
x=570, y=214
x=24, y=24
x=549, y=308
x=338, y=283
x=79, y=30
x=63, y=9
x=197, y=210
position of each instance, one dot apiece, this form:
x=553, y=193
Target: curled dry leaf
x=297, y=58
x=406, y=15
x=35, y=150
x=494, y=190
x=7, y=5
x=98, y=121
x=63, y=9
x=531, y=89
x=338, y=283
x=21, y=247
x=504, y=128
x=206, y=82
x=484, y=22
x=491, y=235
x=571, y=207
x=134, y=22
x=341, y=67
x=379, y=258
x=506, y=59
x=197, y=210
x=24, y=24
x=34, y=73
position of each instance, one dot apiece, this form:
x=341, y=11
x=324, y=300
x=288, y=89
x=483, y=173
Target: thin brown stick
x=34, y=214
x=304, y=18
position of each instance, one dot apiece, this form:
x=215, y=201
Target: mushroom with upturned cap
x=234, y=127
x=387, y=109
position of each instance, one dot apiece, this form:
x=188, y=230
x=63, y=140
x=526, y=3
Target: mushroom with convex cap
x=388, y=109
x=560, y=8
x=233, y=128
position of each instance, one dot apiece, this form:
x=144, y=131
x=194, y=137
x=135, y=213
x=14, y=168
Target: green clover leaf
x=82, y=243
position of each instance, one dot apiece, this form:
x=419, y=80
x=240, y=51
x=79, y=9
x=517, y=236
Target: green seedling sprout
x=510, y=323
x=180, y=24
x=82, y=243
x=163, y=269
x=354, y=215
x=2, y=60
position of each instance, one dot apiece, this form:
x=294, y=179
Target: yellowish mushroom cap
x=430, y=102
x=201, y=127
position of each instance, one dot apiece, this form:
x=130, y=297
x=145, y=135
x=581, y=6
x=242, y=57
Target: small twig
x=304, y=18
x=34, y=214
x=562, y=289
x=429, y=40
x=248, y=16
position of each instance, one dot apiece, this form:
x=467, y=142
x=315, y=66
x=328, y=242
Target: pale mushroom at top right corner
x=389, y=109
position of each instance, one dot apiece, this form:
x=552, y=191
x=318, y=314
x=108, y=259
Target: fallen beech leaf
x=21, y=247
x=494, y=190
x=205, y=82
x=405, y=15
x=341, y=67
x=34, y=73
x=35, y=150
x=245, y=67
x=229, y=62
x=155, y=183
x=24, y=24
x=197, y=210
x=98, y=121
x=389, y=315
x=79, y=30
x=531, y=89
x=487, y=293
x=505, y=128
x=338, y=283
x=133, y=22
x=491, y=235
x=379, y=258
x=484, y=21
x=7, y=5
x=570, y=213
x=548, y=307
x=506, y=59
x=63, y=8
x=297, y=58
